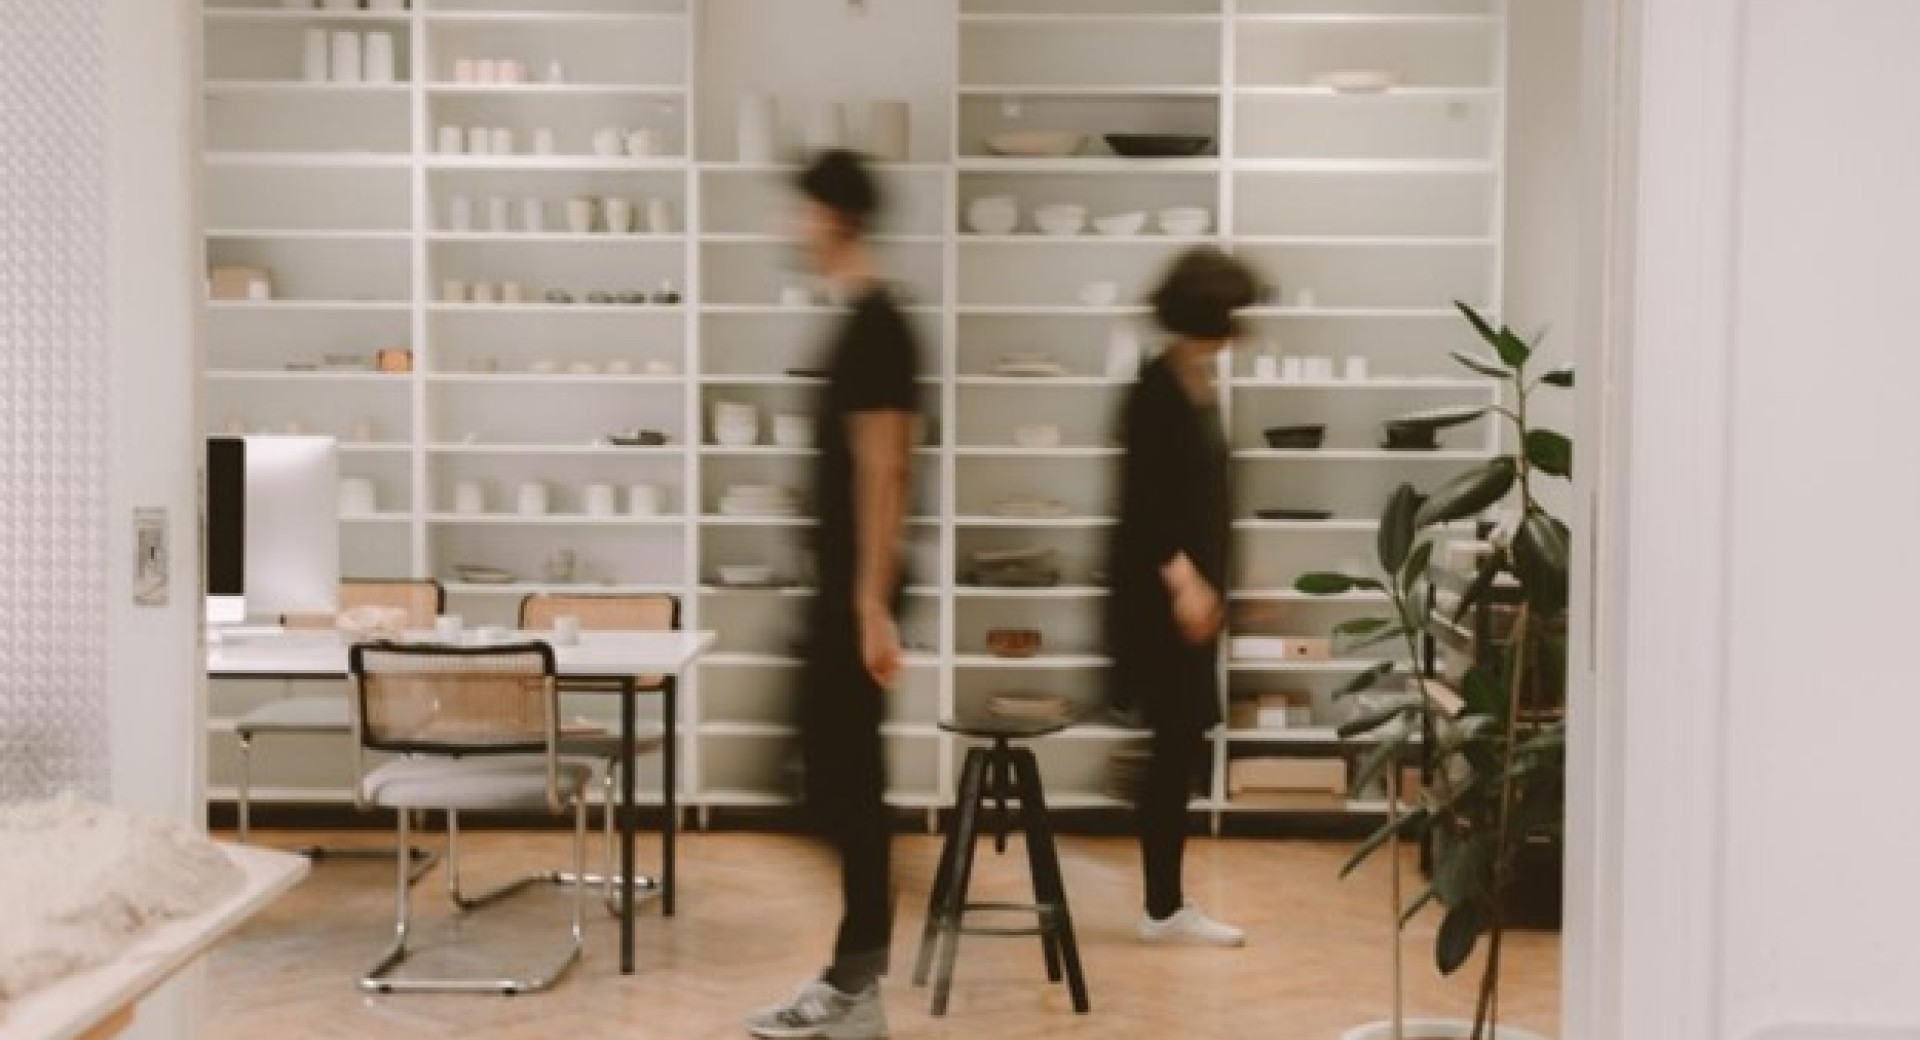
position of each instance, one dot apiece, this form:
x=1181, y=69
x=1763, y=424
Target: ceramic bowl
x=746, y=574
x=1295, y=438
x=1122, y=223
x=1061, y=219
x=1157, y=146
x=736, y=435
x=1184, y=220
x=1036, y=144
x=993, y=215
x=1013, y=642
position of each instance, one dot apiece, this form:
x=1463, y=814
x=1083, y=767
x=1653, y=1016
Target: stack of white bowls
x=759, y=500
x=1061, y=219
x=993, y=215
x=736, y=425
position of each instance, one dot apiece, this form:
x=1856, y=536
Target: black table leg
x=668, y=784
x=628, y=692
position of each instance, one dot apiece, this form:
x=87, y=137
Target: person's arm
x=882, y=448
x=1155, y=481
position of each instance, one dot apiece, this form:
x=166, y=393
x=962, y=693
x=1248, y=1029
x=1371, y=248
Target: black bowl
x=1294, y=515
x=1157, y=146
x=1295, y=438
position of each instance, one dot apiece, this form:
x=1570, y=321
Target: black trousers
x=1166, y=789
x=841, y=711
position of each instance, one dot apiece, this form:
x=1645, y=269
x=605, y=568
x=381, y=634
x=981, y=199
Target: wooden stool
x=996, y=772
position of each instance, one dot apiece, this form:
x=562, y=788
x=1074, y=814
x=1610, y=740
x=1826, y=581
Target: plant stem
x=1488, y=1012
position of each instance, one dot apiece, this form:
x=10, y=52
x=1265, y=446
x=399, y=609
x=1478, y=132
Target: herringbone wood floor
x=756, y=914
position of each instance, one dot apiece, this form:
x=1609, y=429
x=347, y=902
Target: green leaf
x=1481, y=691
x=1513, y=350
x=1540, y=559
x=1365, y=680
x=1377, y=759
x=1396, y=528
x=1375, y=719
x=1462, y=870
x=1560, y=377
x=1414, y=908
x=1468, y=494
x=1550, y=452
x=1443, y=418
x=1365, y=626
x=1406, y=826
x=1490, y=567
x=1484, y=366
x=1354, y=646
x=1416, y=566
x=1459, y=934
x=1325, y=584
x=1361, y=633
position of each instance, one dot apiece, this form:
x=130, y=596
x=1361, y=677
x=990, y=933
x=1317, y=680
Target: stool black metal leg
x=1002, y=779
x=1033, y=805
x=938, y=909
x=1043, y=895
x=966, y=824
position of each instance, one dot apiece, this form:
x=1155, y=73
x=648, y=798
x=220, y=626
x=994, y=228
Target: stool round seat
x=994, y=727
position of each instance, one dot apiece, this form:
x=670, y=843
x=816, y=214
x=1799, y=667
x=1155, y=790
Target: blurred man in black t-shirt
x=865, y=419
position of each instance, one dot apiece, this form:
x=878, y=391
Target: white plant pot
x=1434, y=1029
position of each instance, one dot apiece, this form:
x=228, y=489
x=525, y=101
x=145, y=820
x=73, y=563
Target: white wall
x=1758, y=589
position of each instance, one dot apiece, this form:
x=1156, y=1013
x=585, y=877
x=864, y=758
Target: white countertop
x=598, y=653
x=75, y=1005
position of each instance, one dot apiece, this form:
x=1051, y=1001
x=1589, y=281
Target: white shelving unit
x=1382, y=208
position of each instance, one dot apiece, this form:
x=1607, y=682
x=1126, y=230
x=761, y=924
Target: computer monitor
x=272, y=528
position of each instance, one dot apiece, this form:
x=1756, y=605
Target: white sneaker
x=1189, y=927
x=817, y=1010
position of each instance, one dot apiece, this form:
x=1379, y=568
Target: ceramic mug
x=660, y=216
x=580, y=210
x=618, y=215
x=643, y=500
x=793, y=431
x=452, y=140
x=484, y=292
x=532, y=499
x=346, y=64
x=464, y=71
x=316, y=59
x=1356, y=369
x=452, y=291
x=499, y=214
x=533, y=215
x=599, y=500
x=543, y=141
x=486, y=70
x=501, y=140
x=377, y=59
x=1266, y=366
x=795, y=296
x=479, y=140
x=645, y=143
x=609, y=141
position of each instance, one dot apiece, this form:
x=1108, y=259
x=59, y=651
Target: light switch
x=149, y=557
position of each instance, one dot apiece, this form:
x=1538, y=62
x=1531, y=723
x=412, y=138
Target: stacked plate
x=1035, y=707
x=1016, y=568
x=759, y=500
x=1030, y=509
x=1030, y=365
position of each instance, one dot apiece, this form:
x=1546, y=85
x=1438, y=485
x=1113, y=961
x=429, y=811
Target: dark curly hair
x=1200, y=293
x=840, y=180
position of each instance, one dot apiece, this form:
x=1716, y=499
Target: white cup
x=316, y=60
x=556, y=73
x=1356, y=369
x=532, y=499
x=533, y=215
x=580, y=214
x=660, y=216
x=452, y=291
x=346, y=63
x=1304, y=299
x=888, y=136
x=460, y=213
x=511, y=292
x=1319, y=369
x=643, y=500
x=795, y=296
x=1266, y=366
x=479, y=140
x=543, y=141
x=499, y=214
x=566, y=631
x=645, y=143
x=469, y=498
x=501, y=140
x=513, y=70
x=377, y=61
x=484, y=292
x=618, y=215
x=599, y=500
x=609, y=141
x=452, y=140
x=358, y=496
x=486, y=70
x=465, y=71
x=447, y=627
x=1291, y=370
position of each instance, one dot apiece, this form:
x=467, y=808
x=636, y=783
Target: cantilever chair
x=307, y=714
x=617, y=612
x=480, y=727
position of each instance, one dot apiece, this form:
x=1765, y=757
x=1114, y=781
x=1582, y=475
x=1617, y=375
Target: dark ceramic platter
x=1281, y=438
x=1157, y=146
x=1295, y=515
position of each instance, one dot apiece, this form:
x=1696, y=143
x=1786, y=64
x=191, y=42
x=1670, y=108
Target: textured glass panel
x=52, y=400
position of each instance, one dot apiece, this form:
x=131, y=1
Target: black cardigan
x=1174, y=498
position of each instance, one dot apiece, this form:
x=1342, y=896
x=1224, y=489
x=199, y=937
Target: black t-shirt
x=873, y=366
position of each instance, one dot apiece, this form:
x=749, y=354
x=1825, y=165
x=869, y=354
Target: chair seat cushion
x=297, y=715
x=646, y=739
x=490, y=783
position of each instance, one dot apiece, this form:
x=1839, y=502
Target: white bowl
x=745, y=574
x=994, y=215
x=1185, y=220
x=1061, y=219
x=1036, y=144
x=730, y=411
x=1122, y=223
x=736, y=436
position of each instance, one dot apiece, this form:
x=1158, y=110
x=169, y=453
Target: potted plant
x=1495, y=749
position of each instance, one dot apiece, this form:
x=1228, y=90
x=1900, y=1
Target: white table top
x=76, y=1004
x=321, y=653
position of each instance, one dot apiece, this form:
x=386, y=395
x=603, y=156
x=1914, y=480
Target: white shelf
x=1057, y=592
x=375, y=448
x=1368, y=19
x=775, y=309
x=311, y=234
x=557, y=163
x=1307, y=667
x=722, y=520
x=1096, y=165
x=518, y=590
x=1087, y=20
x=1338, y=455
x=598, y=450
x=272, y=306
x=1468, y=94
x=553, y=520
x=1114, y=90
x=1369, y=241
x=773, y=168
x=1064, y=523
x=1449, y=167
x=1309, y=526
x=1415, y=383
x=297, y=88
x=556, y=90
x=757, y=451
x=538, y=18
x=312, y=160
x=555, y=238
x=1016, y=452
x=1038, y=663
x=1350, y=313
x=299, y=16
x=376, y=518
x=602, y=309
x=556, y=379
x=756, y=238
x=1047, y=311
x=1146, y=238
x=1361, y=598
x=229, y=375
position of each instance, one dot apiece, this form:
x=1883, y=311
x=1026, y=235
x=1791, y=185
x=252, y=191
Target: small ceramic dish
x=1158, y=146
x=1122, y=224
x=1294, y=515
x=1014, y=642
x=479, y=574
x=1295, y=438
x=1036, y=144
